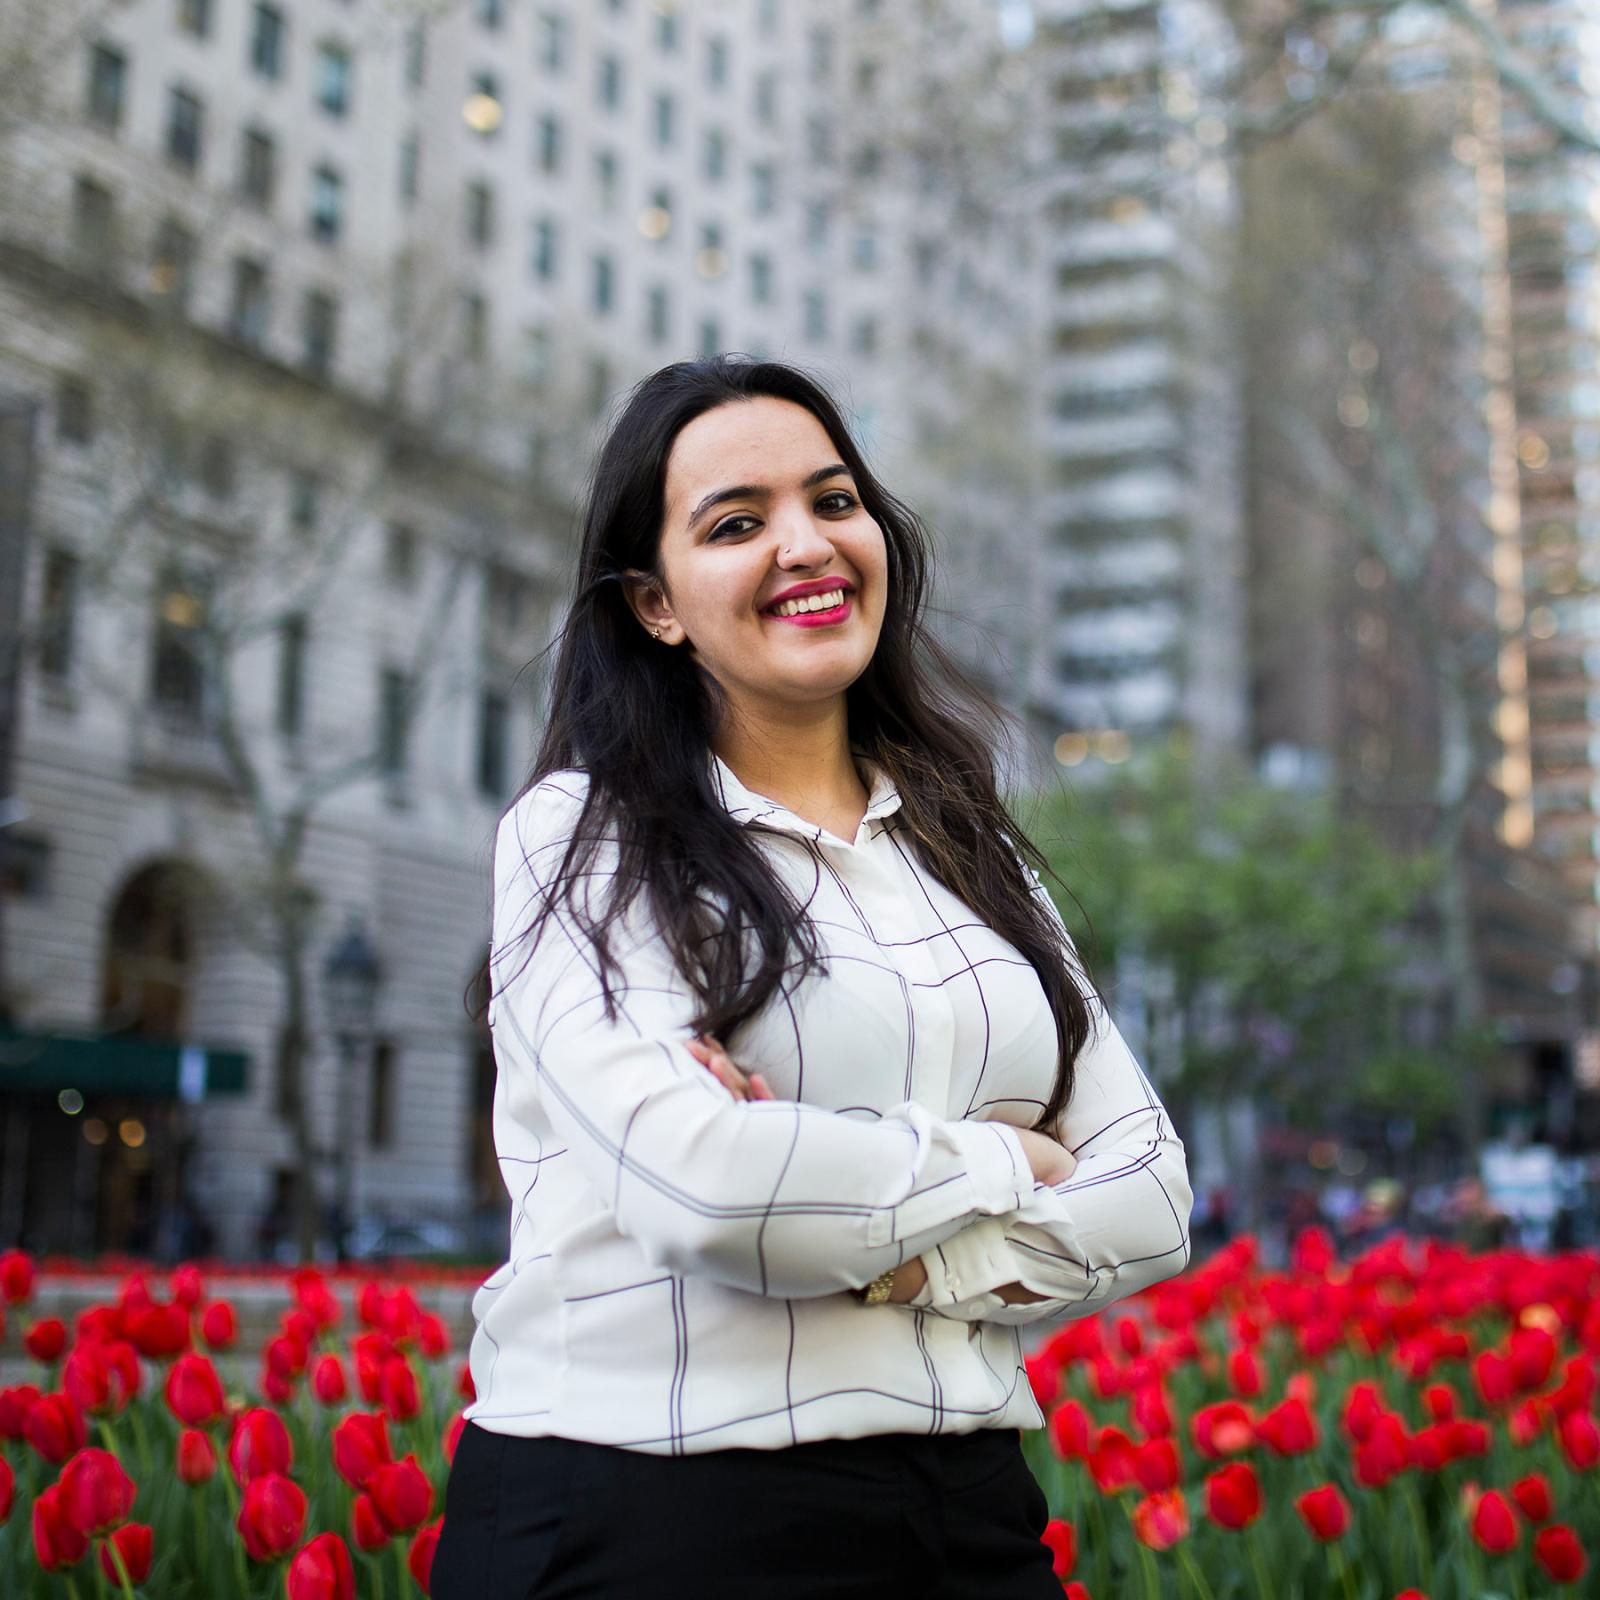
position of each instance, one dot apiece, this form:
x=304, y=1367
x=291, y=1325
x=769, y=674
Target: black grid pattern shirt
x=679, y=1261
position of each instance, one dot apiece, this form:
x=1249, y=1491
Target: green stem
x=72, y=1588
x=140, y=1439
x=1152, y=1578
x=236, y=1543
x=377, y=1580
x=402, y=1572
x=1201, y=1587
x=1419, y=1530
x=1263, y=1585
x=122, y=1569
x=1336, y=1559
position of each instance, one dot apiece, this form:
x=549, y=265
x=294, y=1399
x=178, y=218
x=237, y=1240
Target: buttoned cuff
x=974, y=1262
x=989, y=1156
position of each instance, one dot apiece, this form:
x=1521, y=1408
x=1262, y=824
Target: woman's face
x=751, y=512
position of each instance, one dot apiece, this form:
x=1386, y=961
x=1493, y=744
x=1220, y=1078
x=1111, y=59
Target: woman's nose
x=801, y=543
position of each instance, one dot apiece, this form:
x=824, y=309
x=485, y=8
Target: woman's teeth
x=811, y=602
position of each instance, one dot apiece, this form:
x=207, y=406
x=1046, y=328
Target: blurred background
x=1239, y=355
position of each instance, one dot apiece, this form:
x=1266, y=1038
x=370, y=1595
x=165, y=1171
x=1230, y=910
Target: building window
x=821, y=46
x=605, y=177
x=410, y=162
x=766, y=97
x=869, y=161
x=493, y=717
x=74, y=411
x=58, y=613
x=333, y=79
x=866, y=250
x=819, y=140
x=217, y=466
x=547, y=143
x=108, y=77
x=604, y=284
x=400, y=555
x=172, y=263
x=710, y=337
x=767, y=17
x=538, y=355
x=656, y=313
x=94, y=228
x=599, y=384
x=665, y=117
x=717, y=61
x=266, y=41
x=194, y=16
x=184, y=118
x=552, y=41
x=864, y=336
x=480, y=215
x=474, y=325
x=177, y=672
x=291, y=675
x=393, y=716
x=609, y=83
x=544, y=249
x=327, y=204
x=380, y=1102
x=247, y=318
x=319, y=331
x=716, y=154
x=490, y=13
x=666, y=29
x=817, y=223
x=763, y=188
x=258, y=167
x=416, y=53
x=305, y=495
x=815, y=315
x=485, y=110
x=761, y=280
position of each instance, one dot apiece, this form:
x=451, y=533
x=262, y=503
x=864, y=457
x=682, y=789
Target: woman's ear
x=649, y=605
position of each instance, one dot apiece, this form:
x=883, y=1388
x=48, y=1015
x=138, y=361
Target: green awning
x=118, y=1064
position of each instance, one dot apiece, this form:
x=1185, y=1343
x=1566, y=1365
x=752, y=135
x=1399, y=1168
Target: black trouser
x=955, y=1517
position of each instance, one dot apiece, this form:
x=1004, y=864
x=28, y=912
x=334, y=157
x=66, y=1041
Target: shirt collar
x=744, y=805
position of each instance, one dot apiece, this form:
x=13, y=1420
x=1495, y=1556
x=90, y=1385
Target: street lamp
x=350, y=979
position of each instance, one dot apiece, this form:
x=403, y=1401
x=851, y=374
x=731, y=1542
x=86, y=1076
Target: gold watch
x=877, y=1291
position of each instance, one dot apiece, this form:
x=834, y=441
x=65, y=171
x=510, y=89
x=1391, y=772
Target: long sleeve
x=1118, y=1224
x=774, y=1197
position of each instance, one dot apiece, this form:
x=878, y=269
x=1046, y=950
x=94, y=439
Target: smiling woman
x=804, y=1101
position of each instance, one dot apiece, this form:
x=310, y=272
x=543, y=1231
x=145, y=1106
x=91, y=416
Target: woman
x=801, y=1105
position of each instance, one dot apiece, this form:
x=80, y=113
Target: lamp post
x=350, y=979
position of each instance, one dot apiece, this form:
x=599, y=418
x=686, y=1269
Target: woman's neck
x=803, y=763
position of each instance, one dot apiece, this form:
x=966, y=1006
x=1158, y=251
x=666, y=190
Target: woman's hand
x=742, y=1086
x=1050, y=1160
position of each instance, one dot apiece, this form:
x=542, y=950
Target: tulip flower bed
x=150, y=1461
x=1417, y=1424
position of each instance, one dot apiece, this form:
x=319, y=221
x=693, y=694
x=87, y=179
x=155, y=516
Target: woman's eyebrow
x=748, y=491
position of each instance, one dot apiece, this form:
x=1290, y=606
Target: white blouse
x=679, y=1263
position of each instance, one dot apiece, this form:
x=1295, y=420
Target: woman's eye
x=840, y=494
x=728, y=526
x=731, y=525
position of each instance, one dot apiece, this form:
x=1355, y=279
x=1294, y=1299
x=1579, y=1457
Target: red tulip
x=465, y=1387
x=16, y=1276
x=1233, y=1496
x=1130, y=1336
x=433, y=1335
x=1113, y=1462
x=197, y=1457
x=1384, y=1452
x=1439, y=1401
x=8, y=1488
x=133, y=1542
x=1363, y=1405
x=55, y=1427
x=1161, y=1520
x=276, y=1388
x=1531, y=1352
x=1312, y=1252
x=219, y=1325
x=1076, y=1591
x=1157, y=1466
x=367, y=1528
x=1580, y=1441
x=1290, y=1428
x=361, y=1446
x=322, y=1570
x=1496, y=1382
x=194, y=1391
x=401, y=1494
x=1071, y=1430
x=1223, y=1429
x=1494, y=1523
x=1325, y=1511
x=94, y=1380
x=399, y=1389
x=260, y=1445
x=1244, y=1373
x=159, y=1331
x=1062, y=1538
x=1150, y=1411
x=272, y=1516
x=188, y=1287
x=328, y=1380
x=419, y=1558
x=452, y=1435
x=1532, y=1495
x=96, y=1493
x=57, y=1544
x=286, y=1356
x=1557, y=1550
x=46, y=1339
x=15, y=1404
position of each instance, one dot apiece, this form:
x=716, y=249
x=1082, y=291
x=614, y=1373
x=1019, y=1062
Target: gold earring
x=655, y=633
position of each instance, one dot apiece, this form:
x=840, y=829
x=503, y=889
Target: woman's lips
x=814, y=619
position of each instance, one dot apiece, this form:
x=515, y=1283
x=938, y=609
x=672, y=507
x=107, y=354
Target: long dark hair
x=638, y=718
